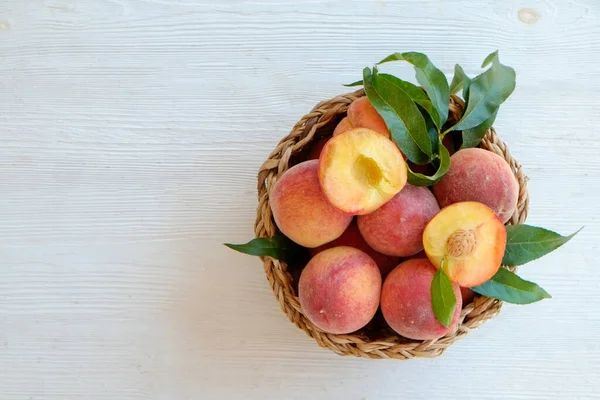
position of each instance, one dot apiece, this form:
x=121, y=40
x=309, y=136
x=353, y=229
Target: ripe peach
x=360, y=170
x=466, y=240
x=361, y=114
x=343, y=126
x=406, y=301
x=315, y=151
x=396, y=228
x=339, y=289
x=301, y=210
x=479, y=175
x=352, y=238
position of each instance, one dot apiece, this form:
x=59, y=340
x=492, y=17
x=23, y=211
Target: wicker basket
x=376, y=340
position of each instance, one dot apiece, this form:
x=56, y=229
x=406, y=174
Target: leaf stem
x=448, y=130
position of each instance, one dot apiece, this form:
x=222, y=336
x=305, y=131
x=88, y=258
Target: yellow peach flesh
x=360, y=170
x=467, y=241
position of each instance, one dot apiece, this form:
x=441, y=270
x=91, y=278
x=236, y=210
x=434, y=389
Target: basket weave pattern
x=312, y=126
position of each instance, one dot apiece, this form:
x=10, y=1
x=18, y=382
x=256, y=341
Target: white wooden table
x=131, y=133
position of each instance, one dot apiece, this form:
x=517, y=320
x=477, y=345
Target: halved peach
x=360, y=170
x=466, y=240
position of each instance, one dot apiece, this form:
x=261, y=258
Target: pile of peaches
x=377, y=241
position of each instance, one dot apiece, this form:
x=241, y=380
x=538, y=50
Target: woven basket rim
x=305, y=131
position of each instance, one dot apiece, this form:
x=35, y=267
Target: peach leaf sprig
x=417, y=117
x=483, y=96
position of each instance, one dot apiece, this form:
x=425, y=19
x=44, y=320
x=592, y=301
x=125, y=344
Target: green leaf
x=432, y=79
x=416, y=94
x=507, y=286
x=432, y=130
x=489, y=59
x=401, y=115
x=466, y=85
x=526, y=243
x=486, y=93
x=458, y=79
x=471, y=137
x=418, y=179
x=357, y=83
x=278, y=247
x=443, y=299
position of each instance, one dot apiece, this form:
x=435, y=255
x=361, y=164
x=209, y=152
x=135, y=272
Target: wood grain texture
x=131, y=134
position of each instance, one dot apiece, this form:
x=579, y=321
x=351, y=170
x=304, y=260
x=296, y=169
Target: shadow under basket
x=376, y=340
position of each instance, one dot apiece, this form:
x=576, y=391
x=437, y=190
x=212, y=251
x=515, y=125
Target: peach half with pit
x=360, y=170
x=467, y=241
